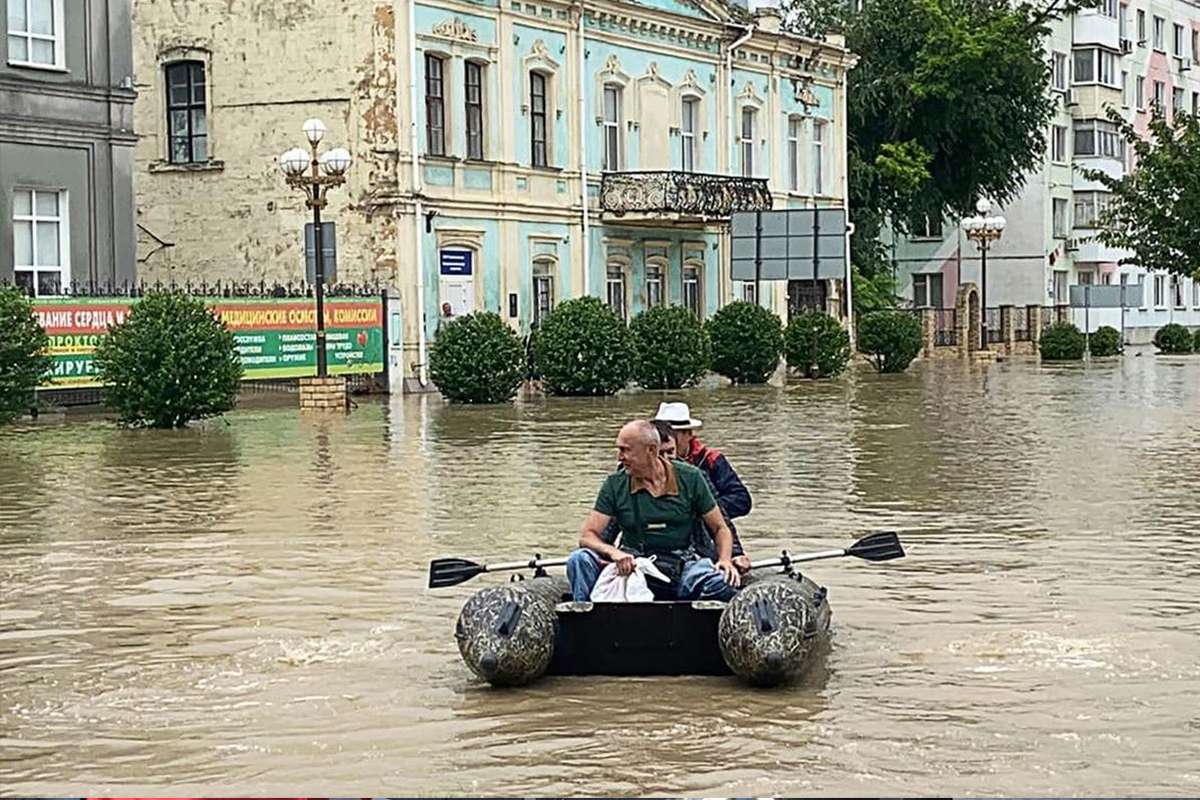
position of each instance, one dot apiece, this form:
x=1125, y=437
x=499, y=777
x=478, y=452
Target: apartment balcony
x=689, y=197
x=1093, y=27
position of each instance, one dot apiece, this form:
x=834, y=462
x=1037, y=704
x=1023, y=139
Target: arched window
x=693, y=283
x=474, y=86
x=435, y=105
x=616, y=287
x=613, y=140
x=746, y=140
x=543, y=289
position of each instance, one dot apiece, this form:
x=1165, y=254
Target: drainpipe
x=846, y=204
x=418, y=207
x=583, y=171
x=731, y=150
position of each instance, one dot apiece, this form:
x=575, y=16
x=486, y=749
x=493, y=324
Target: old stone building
x=478, y=127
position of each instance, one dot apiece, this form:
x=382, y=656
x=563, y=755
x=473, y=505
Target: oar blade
x=452, y=571
x=881, y=546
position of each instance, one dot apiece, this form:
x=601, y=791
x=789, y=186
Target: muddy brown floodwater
x=243, y=604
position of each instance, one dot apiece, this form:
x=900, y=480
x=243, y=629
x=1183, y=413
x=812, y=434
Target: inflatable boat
x=514, y=633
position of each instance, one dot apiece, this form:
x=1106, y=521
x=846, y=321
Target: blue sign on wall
x=456, y=262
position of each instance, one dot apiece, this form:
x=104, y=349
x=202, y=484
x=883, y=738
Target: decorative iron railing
x=687, y=193
x=995, y=328
x=1021, y=327
x=945, y=331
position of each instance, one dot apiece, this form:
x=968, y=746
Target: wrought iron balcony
x=681, y=194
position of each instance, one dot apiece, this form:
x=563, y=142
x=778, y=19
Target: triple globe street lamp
x=315, y=176
x=983, y=229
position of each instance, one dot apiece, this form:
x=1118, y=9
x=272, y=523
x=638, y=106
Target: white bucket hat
x=678, y=416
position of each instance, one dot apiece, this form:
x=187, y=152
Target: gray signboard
x=1122, y=296
x=789, y=244
x=328, y=249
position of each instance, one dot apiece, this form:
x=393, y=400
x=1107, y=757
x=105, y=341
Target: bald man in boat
x=657, y=502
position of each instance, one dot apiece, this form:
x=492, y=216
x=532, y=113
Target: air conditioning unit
x=1185, y=64
x=1069, y=99
x=1126, y=46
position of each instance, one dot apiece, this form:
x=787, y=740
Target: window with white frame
x=1061, y=225
x=748, y=294
x=1124, y=89
x=539, y=119
x=1058, y=143
x=1086, y=277
x=1141, y=26
x=615, y=288
x=187, y=118
x=1177, y=40
x=1176, y=100
x=1089, y=207
x=1109, y=8
x=612, y=128
x=41, y=261
x=474, y=109
x=435, y=105
x=1177, y=291
x=691, y=287
x=795, y=126
x=749, y=132
x=654, y=283
x=1160, y=95
x=543, y=289
x=689, y=113
x=1160, y=27
x=1059, y=63
x=1123, y=19
x=1060, y=286
x=1139, y=94
x=927, y=290
x=35, y=33
x=1160, y=291
x=1141, y=282
x=1098, y=138
x=818, y=156
x=1094, y=65
x=1196, y=104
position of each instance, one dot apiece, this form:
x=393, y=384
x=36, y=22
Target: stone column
x=1035, y=324
x=324, y=394
x=1007, y=329
x=928, y=331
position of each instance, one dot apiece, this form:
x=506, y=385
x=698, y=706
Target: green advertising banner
x=276, y=338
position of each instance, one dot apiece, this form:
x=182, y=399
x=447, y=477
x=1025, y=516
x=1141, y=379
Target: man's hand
x=624, y=561
x=742, y=563
x=729, y=572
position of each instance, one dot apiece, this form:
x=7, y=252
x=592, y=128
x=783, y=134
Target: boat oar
x=881, y=546
x=453, y=571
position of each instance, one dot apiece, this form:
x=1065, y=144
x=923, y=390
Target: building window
x=1177, y=291
x=40, y=260
x=793, y=149
x=687, y=134
x=1160, y=291
x=543, y=290
x=818, y=156
x=1060, y=286
x=474, y=86
x=1109, y=8
x=1140, y=93
x=748, y=294
x=1125, y=89
x=927, y=290
x=612, y=128
x=1141, y=282
x=1196, y=293
x=691, y=288
x=1060, y=218
x=187, y=123
x=1060, y=71
x=1093, y=65
x=1176, y=100
x=1141, y=26
x=1086, y=277
x=1089, y=207
x=537, y=120
x=654, y=285
x=1160, y=91
x=1098, y=138
x=1123, y=28
x=926, y=226
x=746, y=141
x=35, y=32
x=1196, y=104
x=616, y=289
x=1177, y=41
x=1058, y=143
x=435, y=106
x=1159, y=34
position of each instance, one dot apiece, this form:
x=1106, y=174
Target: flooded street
x=243, y=604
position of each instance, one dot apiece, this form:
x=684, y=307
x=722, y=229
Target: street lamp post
x=983, y=230
x=315, y=176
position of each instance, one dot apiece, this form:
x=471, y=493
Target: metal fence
x=1022, y=327
x=945, y=331
x=995, y=328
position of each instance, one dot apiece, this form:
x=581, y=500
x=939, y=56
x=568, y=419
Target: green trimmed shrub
x=1196, y=344
x=747, y=341
x=670, y=348
x=476, y=358
x=583, y=348
x=1106, y=341
x=1173, y=338
x=169, y=362
x=824, y=334
x=23, y=359
x=1062, y=341
x=892, y=339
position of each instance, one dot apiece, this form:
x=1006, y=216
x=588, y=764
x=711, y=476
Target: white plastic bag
x=613, y=587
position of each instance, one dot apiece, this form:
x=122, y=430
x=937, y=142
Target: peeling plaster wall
x=270, y=64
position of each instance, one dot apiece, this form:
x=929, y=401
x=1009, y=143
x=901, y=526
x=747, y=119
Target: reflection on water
x=244, y=604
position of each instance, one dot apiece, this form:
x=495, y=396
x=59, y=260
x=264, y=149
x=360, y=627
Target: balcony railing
x=688, y=194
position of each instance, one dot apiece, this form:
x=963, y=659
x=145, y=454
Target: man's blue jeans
x=700, y=580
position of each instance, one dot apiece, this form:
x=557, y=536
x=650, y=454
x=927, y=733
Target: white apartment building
x=1130, y=56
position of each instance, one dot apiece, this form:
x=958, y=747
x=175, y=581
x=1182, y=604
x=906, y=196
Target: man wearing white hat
x=732, y=495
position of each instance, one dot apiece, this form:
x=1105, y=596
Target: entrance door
x=460, y=294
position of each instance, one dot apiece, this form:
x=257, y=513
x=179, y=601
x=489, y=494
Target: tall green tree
x=23, y=359
x=949, y=102
x=1155, y=208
